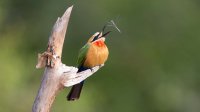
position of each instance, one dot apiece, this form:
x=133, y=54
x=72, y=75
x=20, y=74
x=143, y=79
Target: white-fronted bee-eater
x=93, y=53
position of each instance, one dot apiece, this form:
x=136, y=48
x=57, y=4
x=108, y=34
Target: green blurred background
x=153, y=64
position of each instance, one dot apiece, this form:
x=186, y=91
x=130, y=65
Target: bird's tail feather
x=75, y=92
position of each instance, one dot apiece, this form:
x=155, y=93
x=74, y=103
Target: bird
x=93, y=53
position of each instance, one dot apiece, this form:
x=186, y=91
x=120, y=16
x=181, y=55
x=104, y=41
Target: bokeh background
x=153, y=64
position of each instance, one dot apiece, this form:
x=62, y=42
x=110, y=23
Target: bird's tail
x=75, y=92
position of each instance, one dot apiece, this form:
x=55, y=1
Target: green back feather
x=82, y=54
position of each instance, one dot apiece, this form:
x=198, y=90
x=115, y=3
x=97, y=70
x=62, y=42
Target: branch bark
x=57, y=75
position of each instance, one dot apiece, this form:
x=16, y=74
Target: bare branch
x=71, y=77
x=51, y=58
x=57, y=37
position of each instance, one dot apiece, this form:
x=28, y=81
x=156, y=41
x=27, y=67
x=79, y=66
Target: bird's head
x=99, y=36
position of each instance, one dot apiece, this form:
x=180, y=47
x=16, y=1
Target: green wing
x=82, y=54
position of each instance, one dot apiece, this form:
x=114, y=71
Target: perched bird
x=93, y=53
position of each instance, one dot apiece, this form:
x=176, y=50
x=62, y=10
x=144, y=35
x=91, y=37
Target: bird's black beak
x=100, y=35
x=104, y=27
x=104, y=35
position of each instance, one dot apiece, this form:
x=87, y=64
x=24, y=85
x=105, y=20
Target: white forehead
x=97, y=33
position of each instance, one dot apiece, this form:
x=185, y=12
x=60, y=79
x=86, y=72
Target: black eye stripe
x=96, y=37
